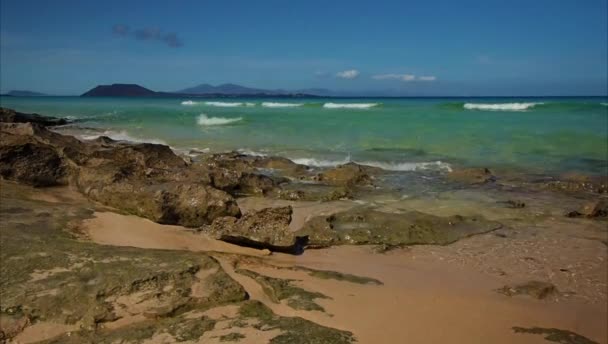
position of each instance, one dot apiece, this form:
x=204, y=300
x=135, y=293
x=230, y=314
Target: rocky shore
x=59, y=286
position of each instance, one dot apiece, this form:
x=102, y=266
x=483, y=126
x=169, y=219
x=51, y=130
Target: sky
x=408, y=48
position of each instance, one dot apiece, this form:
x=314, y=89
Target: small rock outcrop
x=12, y=116
x=363, y=226
x=593, y=209
x=350, y=174
x=265, y=229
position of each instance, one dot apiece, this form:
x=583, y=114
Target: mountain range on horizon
x=228, y=89
x=235, y=90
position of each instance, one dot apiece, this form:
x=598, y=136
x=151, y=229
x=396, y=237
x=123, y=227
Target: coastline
x=465, y=288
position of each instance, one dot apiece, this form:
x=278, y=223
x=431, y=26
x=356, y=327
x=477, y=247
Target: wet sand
x=431, y=294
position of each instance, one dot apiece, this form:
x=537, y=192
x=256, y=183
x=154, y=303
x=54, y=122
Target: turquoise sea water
x=543, y=135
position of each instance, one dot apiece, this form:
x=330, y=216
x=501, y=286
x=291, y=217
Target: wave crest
x=224, y=104
x=387, y=166
x=189, y=103
x=280, y=105
x=209, y=121
x=120, y=136
x=349, y=106
x=500, y=107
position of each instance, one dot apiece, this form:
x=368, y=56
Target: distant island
x=120, y=90
x=23, y=93
x=203, y=90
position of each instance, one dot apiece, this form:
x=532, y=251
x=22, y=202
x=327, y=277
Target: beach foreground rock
x=144, y=179
x=264, y=229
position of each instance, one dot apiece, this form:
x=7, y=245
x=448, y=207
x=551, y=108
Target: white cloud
x=348, y=74
x=403, y=77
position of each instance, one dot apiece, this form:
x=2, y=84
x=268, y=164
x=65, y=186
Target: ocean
x=536, y=135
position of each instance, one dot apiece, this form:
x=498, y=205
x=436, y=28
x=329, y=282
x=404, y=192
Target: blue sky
x=553, y=47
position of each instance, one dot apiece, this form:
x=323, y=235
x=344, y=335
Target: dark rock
x=30, y=161
x=515, y=204
x=145, y=179
x=472, y=176
x=12, y=116
x=365, y=226
x=267, y=228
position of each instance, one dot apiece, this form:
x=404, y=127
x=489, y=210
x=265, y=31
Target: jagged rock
x=350, y=174
x=594, y=209
x=27, y=160
x=366, y=226
x=267, y=228
x=472, y=176
x=145, y=179
x=12, y=116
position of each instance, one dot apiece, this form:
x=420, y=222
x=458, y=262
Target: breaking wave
x=501, y=107
x=387, y=166
x=209, y=121
x=223, y=104
x=349, y=106
x=189, y=102
x=280, y=105
x=120, y=136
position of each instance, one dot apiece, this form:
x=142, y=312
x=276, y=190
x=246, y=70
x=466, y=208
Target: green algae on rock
x=48, y=275
x=295, y=329
x=232, y=337
x=360, y=226
x=279, y=289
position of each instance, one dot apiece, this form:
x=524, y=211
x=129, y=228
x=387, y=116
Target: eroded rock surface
x=12, y=116
x=267, y=228
x=367, y=226
x=145, y=179
x=592, y=209
x=350, y=174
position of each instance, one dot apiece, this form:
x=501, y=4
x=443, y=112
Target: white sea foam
x=605, y=104
x=349, y=106
x=501, y=107
x=251, y=153
x=189, y=102
x=120, y=136
x=320, y=162
x=280, y=105
x=224, y=104
x=410, y=166
x=208, y=121
x=388, y=166
x=249, y=104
